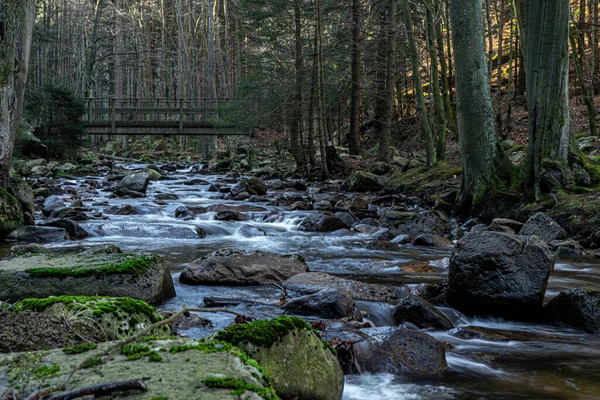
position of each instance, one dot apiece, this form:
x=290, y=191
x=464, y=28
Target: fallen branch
x=102, y=389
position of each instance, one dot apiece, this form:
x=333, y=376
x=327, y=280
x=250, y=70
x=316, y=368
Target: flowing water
x=539, y=362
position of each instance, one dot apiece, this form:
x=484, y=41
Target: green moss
x=136, y=352
x=261, y=333
x=240, y=386
x=80, y=348
x=135, y=265
x=92, y=363
x=46, y=371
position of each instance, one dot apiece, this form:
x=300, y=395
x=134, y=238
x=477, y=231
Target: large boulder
x=323, y=222
x=497, y=273
x=397, y=351
x=421, y=313
x=544, y=227
x=74, y=230
x=300, y=363
x=133, y=185
x=88, y=273
x=579, y=308
x=19, y=188
x=326, y=303
x=38, y=234
x=184, y=369
x=236, y=267
x=312, y=282
x=116, y=317
x=362, y=181
x=252, y=185
x=11, y=213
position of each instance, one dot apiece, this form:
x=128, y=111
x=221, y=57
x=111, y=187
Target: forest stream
x=533, y=361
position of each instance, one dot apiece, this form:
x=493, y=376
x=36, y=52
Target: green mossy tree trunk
x=414, y=61
x=18, y=17
x=551, y=161
x=484, y=163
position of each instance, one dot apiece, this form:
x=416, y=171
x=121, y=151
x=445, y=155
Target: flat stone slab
x=173, y=369
x=142, y=277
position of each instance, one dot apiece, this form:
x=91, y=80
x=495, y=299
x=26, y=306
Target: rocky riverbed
x=348, y=262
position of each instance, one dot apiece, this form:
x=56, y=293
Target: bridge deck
x=157, y=117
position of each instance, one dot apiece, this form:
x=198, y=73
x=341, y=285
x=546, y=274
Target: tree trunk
x=414, y=60
x=587, y=97
x=296, y=120
x=15, y=44
x=547, y=74
x=386, y=131
x=354, y=138
x=483, y=161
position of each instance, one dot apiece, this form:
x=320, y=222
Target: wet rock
x=417, y=267
x=312, y=282
x=516, y=226
x=68, y=213
x=249, y=231
x=125, y=209
x=402, y=239
x=166, y=196
x=251, y=185
x=323, y=205
x=301, y=365
x=115, y=317
x=38, y=234
x=235, y=208
x=161, y=371
x=430, y=239
x=153, y=174
x=42, y=192
x=183, y=322
x=301, y=205
x=567, y=248
x=298, y=185
x=194, y=182
x=326, y=303
x=52, y=203
x=346, y=217
x=323, y=222
x=236, y=267
x=433, y=293
x=499, y=274
x=29, y=248
x=353, y=204
x=40, y=170
x=142, y=277
x=11, y=213
x=74, y=230
x=276, y=184
x=230, y=216
x=398, y=351
x=382, y=245
x=133, y=185
x=182, y=212
x=579, y=308
x=544, y=227
x=493, y=334
x=421, y=313
x=362, y=181
x=425, y=223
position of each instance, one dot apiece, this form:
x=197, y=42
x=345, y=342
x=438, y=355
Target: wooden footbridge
x=157, y=117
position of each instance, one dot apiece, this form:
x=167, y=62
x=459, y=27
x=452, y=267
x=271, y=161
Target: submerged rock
x=500, y=274
x=312, y=282
x=163, y=231
x=251, y=185
x=579, y=308
x=421, y=313
x=89, y=273
x=323, y=222
x=213, y=371
x=236, y=267
x=300, y=363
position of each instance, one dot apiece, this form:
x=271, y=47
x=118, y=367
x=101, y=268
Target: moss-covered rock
x=11, y=214
x=172, y=369
x=362, y=181
x=142, y=277
x=442, y=181
x=299, y=362
x=117, y=317
x=19, y=188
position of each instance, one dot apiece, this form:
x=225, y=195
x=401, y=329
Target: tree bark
x=414, y=61
x=483, y=160
x=386, y=130
x=18, y=17
x=547, y=74
x=296, y=123
x=354, y=137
